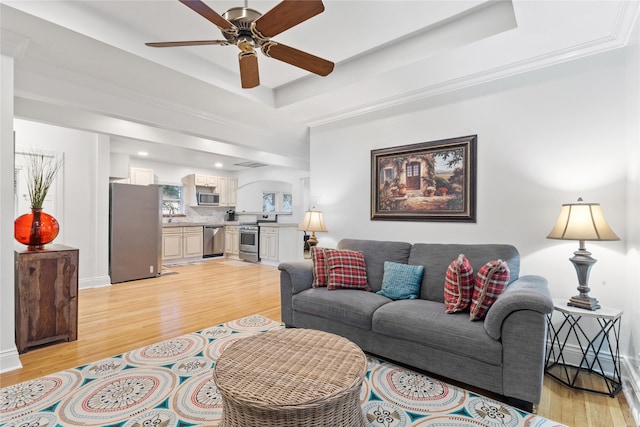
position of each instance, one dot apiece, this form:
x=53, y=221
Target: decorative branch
x=41, y=171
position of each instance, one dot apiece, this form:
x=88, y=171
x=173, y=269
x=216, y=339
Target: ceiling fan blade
x=209, y=14
x=188, y=43
x=297, y=58
x=285, y=15
x=249, y=69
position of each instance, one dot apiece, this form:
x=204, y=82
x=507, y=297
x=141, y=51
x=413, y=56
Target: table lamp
x=582, y=221
x=312, y=222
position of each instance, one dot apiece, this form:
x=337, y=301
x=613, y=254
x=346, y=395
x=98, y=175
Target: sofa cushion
x=491, y=280
x=375, y=254
x=401, y=281
x=458, y=285
x=436, y=258
x=426, y=323
x=320, y=273
x=352, y=307
x=347, y=270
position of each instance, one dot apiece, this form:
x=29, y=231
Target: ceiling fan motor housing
x=241, y=18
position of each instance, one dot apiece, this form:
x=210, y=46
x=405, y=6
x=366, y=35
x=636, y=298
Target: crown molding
x=620, y=36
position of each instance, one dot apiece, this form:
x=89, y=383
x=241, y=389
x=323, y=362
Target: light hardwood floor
x=129, y=315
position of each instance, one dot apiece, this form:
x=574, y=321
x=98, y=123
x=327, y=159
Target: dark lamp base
x=586, y=303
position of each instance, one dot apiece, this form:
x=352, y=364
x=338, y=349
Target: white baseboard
x=9, y=360
x=631, y=386
x=94, y=282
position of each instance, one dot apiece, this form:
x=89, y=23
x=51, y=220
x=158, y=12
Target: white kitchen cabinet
x=226, y=187
x=269, y=243
x=232, y=240
x=181, y=242
x=232, y=191
x=205, y=180
x=228, y=190
x=192, y=242
x=172, y=243
x=278, y=243
x=222, y=190
x=141, y=176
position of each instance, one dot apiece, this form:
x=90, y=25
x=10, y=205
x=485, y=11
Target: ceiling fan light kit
x=249, y=29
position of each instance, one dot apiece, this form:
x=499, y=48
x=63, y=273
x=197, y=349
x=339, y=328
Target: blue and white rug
x=170, y=384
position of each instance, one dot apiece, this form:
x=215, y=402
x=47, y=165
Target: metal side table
x=598, y=349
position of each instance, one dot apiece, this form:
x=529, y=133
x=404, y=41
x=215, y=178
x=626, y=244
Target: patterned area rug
x=170, y=384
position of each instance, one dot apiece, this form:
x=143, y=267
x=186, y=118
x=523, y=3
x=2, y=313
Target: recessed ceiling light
x=218, y=165
x=142, y=153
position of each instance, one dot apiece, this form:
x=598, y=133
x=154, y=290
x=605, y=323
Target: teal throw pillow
x=401, y=281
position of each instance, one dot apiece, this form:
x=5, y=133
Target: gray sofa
x=503, y=354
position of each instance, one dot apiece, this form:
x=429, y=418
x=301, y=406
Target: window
x=268, y=202
x=386, y=175
x=275, y=201
x=172, y=203
x=287, y=202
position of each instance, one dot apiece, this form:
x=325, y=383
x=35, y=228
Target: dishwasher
x=212, y=241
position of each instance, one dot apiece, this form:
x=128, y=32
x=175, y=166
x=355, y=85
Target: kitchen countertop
x=220, y=224
x=190, y=224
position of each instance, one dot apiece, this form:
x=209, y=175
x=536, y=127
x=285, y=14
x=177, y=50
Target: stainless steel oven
x=249, y=242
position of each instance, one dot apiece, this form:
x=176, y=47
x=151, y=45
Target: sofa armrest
x=298, y=276
x=525, y=293
x=295, y=277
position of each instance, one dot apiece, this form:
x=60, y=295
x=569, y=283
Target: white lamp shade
x=312, y=222
x=582, y=221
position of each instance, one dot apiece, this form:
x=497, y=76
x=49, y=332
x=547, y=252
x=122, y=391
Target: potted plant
x=38, y=228
x=430, y=191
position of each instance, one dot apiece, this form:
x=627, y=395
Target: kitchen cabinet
x=232, y=191
x=192, y=242
x=232, y=240
x=181, y=242
x=205, y=180
x=278, y=243
x=46, y=296
x=228, y=190
x=171, y=243
x=222, y=190
x=226, y=187
x=269, y=243
x=141, y=176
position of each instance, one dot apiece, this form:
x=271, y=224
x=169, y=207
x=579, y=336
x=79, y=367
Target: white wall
x=9, y=359
x=85, y=193
x=544, y=138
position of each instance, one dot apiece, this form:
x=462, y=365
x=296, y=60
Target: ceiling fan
x=249, y=29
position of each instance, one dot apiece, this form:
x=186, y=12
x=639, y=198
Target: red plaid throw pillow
x=458, y=285
x=320, y=272
x=347, y=270
x=492, y=279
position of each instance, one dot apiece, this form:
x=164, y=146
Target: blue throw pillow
x=401, y=281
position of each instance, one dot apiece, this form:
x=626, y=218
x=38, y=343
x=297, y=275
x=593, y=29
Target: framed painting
x=429, y=181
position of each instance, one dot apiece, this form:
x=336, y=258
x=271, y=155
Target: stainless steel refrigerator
x=135, y=231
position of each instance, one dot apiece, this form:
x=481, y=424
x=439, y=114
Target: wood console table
x=46, y=295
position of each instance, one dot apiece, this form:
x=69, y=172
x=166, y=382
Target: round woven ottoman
x=291, y=378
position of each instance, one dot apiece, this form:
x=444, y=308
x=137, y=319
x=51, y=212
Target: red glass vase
x=35, y=229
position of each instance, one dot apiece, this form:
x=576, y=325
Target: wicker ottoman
x=291, y=377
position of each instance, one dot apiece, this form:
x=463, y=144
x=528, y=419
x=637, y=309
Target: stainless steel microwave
x=208, y=199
